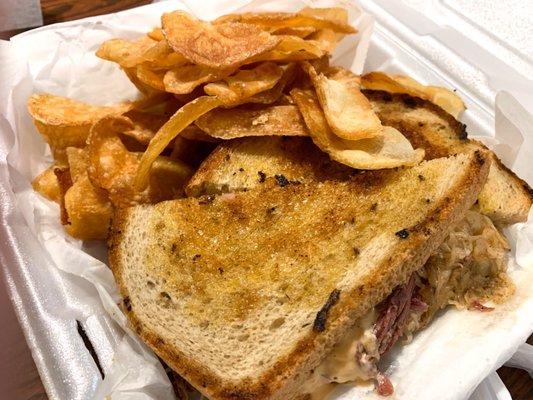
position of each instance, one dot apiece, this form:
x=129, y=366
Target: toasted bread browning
x=505, y=198
x=215, y=284
x=246, y=163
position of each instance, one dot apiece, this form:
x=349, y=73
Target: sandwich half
x=248, y=294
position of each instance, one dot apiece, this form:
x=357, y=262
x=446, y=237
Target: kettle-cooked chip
x=145, y=89
x=62, y=111
x=216, y=46
x=107, y=154
x=46, y=183
x=65, y=122
x=78, y=162
x=153, y=79
x=161, y=56
x=301, y=31
x=291, y=48
x=245, y=83
x=62, y=174
x=126, y=53
x=185, y=79
x=85, y=210
x=336, y=15
x=389, y=150
x=113, y=168
x=338, y=74
x=347, y=110
x=185, y=116
x=244, y=121
x=327, y=38
x=193, y=132
x=444, y=98
x=144, y=125
x=277, y=20
x=274, y=94
x=156, y=34
x=88, y=210
x=297, y=44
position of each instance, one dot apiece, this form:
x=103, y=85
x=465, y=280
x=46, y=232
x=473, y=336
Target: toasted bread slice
x=246, y=162
x=235, y=165
x=244, y=294
x=505, y=198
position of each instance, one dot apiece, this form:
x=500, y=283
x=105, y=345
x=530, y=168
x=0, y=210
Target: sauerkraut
x=468, y=267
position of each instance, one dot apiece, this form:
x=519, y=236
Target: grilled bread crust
x=505, y=198
x=236, y=164
x=459, y=178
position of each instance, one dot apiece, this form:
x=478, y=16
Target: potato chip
x=131, y=144
x=153, y=79
x=284, y=100
x=337, y=15
x=338, y=74
x=144, y=125
x=185, y=79
x=88, y=210
x=302, y=31
x=245, y=83
x=65, y=182
x=274, y=94
x=156, y=34
x=193, y=132
x=389, y=150
x=327, y=38
x=111, y=165
x=65, y=122
x=444, y=98
x=244, y=121
x=159, y=103
x=161, y=56
x=113, y=168
x=216, y=46
x=187, y=98
x=297, y=44
x=185, y=116
x=145, y=89
x=290, y=48
x=78, y=162
x=107, y=153
x=46, y=184
x=277, y=20
x=126, y=53
x=347, y=110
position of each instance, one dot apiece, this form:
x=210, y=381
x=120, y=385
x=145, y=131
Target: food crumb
x=403, y=234
x=282, y=181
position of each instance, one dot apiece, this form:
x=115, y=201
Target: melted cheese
x=341, y=364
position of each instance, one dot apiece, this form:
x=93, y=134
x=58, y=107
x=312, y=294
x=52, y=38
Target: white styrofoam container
x=438, y=42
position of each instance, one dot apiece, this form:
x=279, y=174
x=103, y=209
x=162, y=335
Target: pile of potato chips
x=252, y=74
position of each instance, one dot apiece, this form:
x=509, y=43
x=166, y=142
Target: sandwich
x=284, y=289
